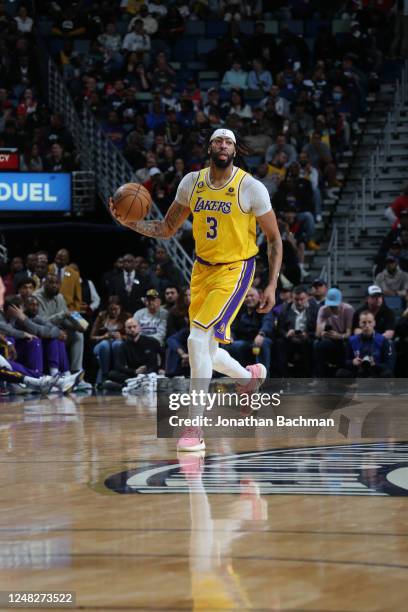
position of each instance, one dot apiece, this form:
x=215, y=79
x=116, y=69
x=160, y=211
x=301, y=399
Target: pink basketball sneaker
x=191, y=440
x=258, y=372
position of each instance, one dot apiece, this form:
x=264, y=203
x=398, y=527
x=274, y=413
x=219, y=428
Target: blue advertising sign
x=35, y=191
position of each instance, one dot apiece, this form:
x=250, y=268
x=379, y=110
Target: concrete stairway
x=355, y=271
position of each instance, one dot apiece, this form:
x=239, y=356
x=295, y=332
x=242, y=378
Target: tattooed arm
x=270, y=228
x=166, y=228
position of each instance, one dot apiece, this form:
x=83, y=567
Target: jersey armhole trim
x=192, y=191
x=244, y=212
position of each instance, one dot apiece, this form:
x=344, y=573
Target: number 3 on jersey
x=212, y=223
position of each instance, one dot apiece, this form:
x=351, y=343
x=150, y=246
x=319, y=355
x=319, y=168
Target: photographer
x=368, y=353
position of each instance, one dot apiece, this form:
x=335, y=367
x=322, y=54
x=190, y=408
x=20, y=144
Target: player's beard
x=221, y=163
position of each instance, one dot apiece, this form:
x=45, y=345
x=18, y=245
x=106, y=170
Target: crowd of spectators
x=27, y=125
x=161, y=75
x=130, y=323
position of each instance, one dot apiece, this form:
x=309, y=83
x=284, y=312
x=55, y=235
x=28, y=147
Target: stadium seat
x=215, y=29
x=208, y=74
x=253, y=161
x=185, y=47
x=340, y=25
x=205, y=45
x=195, y=28
x=143, y=96
x=207, y=84
x=271, y=27
x=294, y=25
x=82, y=46
x=247, y=27
x=45, y=27
x=312, y=27
x=196, y=65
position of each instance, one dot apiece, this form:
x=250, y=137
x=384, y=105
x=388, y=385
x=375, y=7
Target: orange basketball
x=131, y=202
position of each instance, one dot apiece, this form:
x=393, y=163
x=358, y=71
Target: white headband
x=222, y=133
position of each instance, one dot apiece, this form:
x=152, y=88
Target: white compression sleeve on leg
x=201, y=368
x=225, y=364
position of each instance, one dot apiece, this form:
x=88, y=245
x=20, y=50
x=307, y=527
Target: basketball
x=131, y=202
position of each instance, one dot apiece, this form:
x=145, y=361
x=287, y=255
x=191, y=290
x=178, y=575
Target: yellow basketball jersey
x=223, y=232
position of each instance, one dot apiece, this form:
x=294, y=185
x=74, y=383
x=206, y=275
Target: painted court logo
x=379, y=469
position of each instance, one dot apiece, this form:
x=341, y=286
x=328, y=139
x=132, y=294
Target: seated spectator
x=24, y=22
x=25, y=288
x=235, y=77
x=384, y=316
x=278, y=166
x=16, y=268
x=27, y=345
x=108, y=333
x=319, y=292
x=333, y=328
x=172, y=25
x=31, y=160
x=296, y=332
x=393, y=281
x=171, y=294
x=257, y=141
x=129, y=285
x=238, y=106
x=285, y=296
x=162, y=257
x=276, y=105
x=279, y=146
x=53, y=338
x=90, y=297
x=252, y=333
x=137, y=40
x=153, y=318
x=178, y=330
x=259, y=79
x=162, y=72
x=53, y=308
x=321, y=158
x=58, y=160
x=139, y=355
x=150, y=23
x=311, y=174
x=68, y=278
x=368, y=353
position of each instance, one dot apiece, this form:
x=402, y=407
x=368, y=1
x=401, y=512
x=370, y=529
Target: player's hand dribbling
x=267, y=300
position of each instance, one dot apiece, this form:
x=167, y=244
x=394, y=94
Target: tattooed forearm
x=175, y=217
x=153, y=229
x=274, y=258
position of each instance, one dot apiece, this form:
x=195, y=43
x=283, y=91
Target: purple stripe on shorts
x=232, y=306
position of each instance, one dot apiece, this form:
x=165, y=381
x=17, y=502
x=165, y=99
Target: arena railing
x=355, y=224
x=99, y=154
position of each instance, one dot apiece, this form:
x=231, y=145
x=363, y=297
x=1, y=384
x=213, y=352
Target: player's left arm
x=270, y=228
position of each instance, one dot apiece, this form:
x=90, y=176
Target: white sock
x=225, y=364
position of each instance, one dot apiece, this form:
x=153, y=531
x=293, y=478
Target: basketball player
x=225, y=203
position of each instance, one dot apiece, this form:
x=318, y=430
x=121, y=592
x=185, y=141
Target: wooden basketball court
x=93, y=503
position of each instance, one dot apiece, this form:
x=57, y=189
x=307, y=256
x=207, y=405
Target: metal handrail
x=110, y=164
x=99, y=154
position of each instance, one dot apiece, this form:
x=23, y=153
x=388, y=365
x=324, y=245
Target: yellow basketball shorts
x=217, y=294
